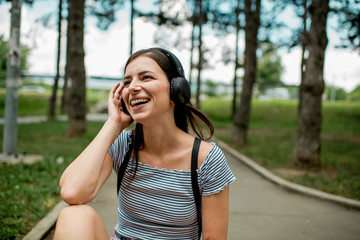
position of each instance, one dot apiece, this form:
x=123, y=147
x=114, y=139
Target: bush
x=355, y=94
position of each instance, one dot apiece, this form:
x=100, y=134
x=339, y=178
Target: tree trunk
x=52, y=105
x=131, y=26
x=303, y=48
x=77, y=80
x=200, y=60
x=304, y=41
x=236, y=64
x=307, y=150
x=12, y=81
x=65, y=95
x=242, y=115
x=192, y=49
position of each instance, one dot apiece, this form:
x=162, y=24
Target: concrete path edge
x=45, y=224
x=347, y=202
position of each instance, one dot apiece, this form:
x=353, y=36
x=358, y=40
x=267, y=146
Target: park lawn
x=37, y=104
x=27, y=193
x=272, y=137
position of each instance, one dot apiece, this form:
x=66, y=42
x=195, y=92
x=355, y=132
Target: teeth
x=137, y=101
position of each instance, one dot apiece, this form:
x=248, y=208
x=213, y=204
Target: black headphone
x=179, y=87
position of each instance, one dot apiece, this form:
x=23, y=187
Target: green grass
x=30, y=104
x=28, y=192
x=37, y=104
x=272, y=137
x=341, y=117
x=338, y=117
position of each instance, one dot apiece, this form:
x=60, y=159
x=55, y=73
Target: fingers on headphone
x=113, y=90
x=118, y=91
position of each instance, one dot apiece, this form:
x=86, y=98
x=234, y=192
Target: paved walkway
x=260, y=210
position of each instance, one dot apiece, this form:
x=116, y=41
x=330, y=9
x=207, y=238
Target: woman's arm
x=215, y=215
x=83, y=178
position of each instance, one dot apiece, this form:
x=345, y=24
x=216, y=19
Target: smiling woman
x=175, y=184
x=143, y=91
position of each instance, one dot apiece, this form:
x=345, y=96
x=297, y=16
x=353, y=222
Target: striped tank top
x=159, y=203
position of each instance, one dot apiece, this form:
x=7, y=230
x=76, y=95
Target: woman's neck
x=160, y=138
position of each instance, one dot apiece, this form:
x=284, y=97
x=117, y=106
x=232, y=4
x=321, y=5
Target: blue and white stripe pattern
x=159, y=203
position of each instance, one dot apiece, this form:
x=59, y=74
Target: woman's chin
x=140, y=117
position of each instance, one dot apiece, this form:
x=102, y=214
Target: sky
x=107, y=51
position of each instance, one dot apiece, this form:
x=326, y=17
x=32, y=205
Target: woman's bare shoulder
x=205, y=148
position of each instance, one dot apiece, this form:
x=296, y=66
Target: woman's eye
x=126, y=83
x=147, y=77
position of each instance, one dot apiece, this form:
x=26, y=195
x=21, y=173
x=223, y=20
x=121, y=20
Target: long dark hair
x=187, y=117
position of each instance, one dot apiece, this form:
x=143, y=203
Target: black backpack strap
x=194, y=182
x=123, y=166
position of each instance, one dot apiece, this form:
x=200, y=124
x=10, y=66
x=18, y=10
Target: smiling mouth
x=139, y=101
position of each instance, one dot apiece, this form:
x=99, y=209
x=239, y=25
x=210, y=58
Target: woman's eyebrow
x=128, y=77
x=145, y=72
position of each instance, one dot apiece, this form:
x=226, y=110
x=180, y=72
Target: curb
x=46, y=223
x=347, y=202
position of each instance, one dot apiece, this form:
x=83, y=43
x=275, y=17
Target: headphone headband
x=174, y=59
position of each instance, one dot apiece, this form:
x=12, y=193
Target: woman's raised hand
x=115, y=110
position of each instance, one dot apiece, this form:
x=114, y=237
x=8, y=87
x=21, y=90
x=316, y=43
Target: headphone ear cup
x=180, y=90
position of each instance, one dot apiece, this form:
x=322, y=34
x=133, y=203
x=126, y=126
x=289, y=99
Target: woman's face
x=147, y=89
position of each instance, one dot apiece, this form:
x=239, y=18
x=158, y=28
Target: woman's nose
x=134, y=87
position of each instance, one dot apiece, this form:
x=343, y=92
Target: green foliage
x=348, y=23
x=210, y=88
x=25, y=51
x=269, y=68
x=105, y=12
x=355, y=94
x=335, y=93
